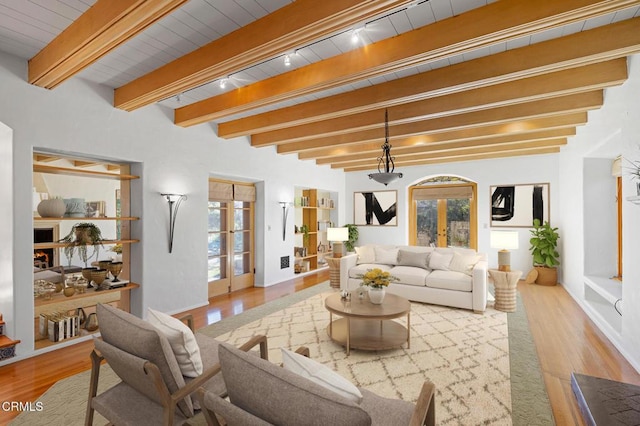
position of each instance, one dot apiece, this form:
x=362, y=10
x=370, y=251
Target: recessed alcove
x=601, y=290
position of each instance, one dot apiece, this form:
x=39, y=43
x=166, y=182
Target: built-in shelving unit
x=314, y=210
x=86, y=301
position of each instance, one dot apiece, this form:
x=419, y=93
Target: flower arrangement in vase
x=377, y=280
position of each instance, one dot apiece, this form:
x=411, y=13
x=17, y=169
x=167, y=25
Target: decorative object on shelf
x=104, y=264
x=91, y=324
x=174, y=201
x=544, y=241
x=386, y=165
x=375, y=208
x=115, y=268
x=75, y=207
x=117, y=249
x=95, y=208
x=517, y=206
x=505, y=241
x=337, y=236
x=285, y=212
x=53, y=207
x=98, y=276
x=69, y=291
x=86, y=273
x=80, y=237
x=350, y=244
x=81, y=285
x=305, y=235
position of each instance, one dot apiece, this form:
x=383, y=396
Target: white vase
x=376, y=295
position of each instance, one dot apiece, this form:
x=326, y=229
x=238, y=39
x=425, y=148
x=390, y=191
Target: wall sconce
x=285, y=212
x=174, y=203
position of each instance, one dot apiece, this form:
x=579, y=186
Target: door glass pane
x=241, y=218
x=241, y=241
x=217, y=268
x=458, y=216
x=217, y=216
x=241, y=264
x=427, y=222
x=217, y=244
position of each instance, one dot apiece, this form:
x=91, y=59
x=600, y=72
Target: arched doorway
x=443, y=212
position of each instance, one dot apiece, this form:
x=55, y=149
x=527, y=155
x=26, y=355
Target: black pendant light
x=386, y=166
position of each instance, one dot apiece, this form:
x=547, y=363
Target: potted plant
x=305, y=237
x=377, y=281
x=634, y=172
x=353, y=237
x=544, y=241
x=81, y=236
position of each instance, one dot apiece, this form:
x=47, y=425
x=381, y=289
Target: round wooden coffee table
x=373, y=329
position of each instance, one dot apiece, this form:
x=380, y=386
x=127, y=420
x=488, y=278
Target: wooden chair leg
x=96, y=359
x=425, y=411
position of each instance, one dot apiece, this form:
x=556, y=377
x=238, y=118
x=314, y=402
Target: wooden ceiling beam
x=457, y=145
x=471, y=157
x=103, y=27
x=287, y=28
x=569, y=121
x=559, y=83
x=526, y=111
x=598, y=44
x=446, y=153
x=469, y=31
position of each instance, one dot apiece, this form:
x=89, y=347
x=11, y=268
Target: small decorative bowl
x=98, y=276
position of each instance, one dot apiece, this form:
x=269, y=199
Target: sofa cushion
x=449, y=280
x=365, y=267
x=463, y=262
x=413, y=258
x=386, y=256
x=366, y=254
x=320, y=374
x=182, y=341
x=409, y=275
x=281, y=397
x=440, y=260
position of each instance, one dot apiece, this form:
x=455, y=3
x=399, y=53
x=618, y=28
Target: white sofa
x=454, y=277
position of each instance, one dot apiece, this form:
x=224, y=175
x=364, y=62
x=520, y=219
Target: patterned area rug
x=466, y=355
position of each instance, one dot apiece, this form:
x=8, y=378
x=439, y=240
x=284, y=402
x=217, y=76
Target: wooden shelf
x=59, y=297
x=62, y=245
x=77, y=219
x=39, y=168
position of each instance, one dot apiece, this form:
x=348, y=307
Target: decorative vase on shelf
x=54, y=207
x=75, y=207
x=376, y=295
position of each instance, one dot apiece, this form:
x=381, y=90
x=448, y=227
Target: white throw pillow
x=440, y=261
x=463, y=262
x=386, y=256
x=366, y=254
x=321, y=375
x=182, y=341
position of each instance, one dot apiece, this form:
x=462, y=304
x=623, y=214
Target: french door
x=443, y=215
x=230, y=237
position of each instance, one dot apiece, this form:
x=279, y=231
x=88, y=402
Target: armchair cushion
x=182, y=341
x=251, y=382
x=138, y=337
x=318, y=373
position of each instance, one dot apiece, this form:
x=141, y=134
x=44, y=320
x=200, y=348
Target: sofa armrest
x=346, y=262
x=479, y=276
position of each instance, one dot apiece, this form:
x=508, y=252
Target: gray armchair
x=262, y=393
x=152, y=390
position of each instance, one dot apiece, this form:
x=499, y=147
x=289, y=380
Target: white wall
x=78, y=117
x=516, y=170
x=611, y=131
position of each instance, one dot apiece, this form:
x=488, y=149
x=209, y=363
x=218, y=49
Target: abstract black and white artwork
x=375, y=208
x=517, y=206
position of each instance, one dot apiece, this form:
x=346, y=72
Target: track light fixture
x=223, y=83
x=287, y=60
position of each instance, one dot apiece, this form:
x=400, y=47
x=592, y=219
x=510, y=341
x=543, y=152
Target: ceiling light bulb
x=287, y=61
x=355, y=36
x=223, y=83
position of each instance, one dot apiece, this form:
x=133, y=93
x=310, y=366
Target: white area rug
x=465, y=354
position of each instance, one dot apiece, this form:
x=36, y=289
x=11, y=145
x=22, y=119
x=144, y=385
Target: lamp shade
x=337, y=234
x=504, y=240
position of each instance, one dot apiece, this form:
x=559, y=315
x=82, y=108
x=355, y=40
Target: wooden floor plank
x=566, y=341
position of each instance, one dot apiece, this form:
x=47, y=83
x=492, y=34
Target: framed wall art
x=95, y=208
x=375, y=208
x=516, y=206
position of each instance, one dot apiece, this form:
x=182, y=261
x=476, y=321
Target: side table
x=505, y=285
x=334, y=271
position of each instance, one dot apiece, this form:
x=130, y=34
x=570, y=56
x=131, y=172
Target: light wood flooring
x=566, y=341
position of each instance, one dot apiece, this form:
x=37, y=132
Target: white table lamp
x=505, y=241
x=337, y=236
